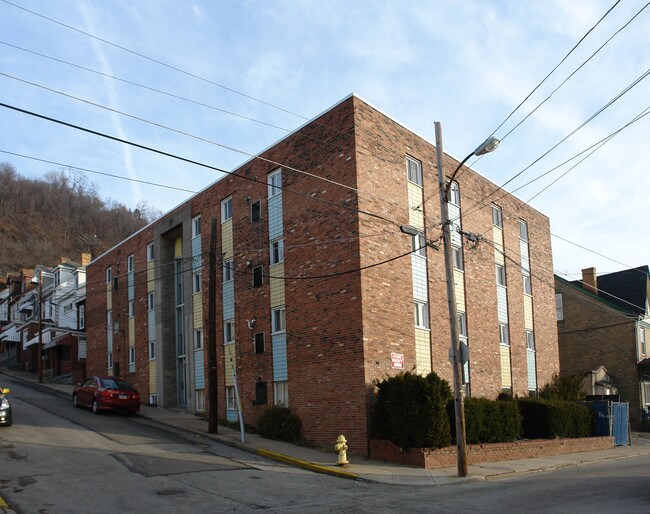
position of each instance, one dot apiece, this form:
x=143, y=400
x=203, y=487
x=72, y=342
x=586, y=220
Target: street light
x=455, y=351
x=39, y=351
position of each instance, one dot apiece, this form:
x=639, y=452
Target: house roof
x=627, y=289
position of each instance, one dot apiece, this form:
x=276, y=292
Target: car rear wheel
x=95, y=407
x=75, y=401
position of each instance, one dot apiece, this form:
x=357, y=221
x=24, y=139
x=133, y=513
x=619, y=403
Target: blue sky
x=465, y=63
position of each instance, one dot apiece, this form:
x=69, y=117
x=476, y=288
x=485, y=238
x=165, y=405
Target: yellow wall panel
x=109, y=296
x=276, y=285
x=197, y=310
x=150, y=276
x=229, y=351
x=506, y=374
x=226, y=239
x=178, y=248
x=416, y=216
x=131, y=331
x=497, y=237
x=528, y=312
x=422, y=352
x=459, y=289
x=152, y=377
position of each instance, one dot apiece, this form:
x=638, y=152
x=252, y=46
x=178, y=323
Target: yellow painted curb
x=304, y=464
x=3, y=503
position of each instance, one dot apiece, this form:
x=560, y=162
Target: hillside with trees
x=60, y=215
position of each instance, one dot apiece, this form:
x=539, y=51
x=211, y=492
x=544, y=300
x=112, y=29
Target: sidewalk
x=361, y=468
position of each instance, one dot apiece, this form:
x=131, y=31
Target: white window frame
x=462, y=325
x=523, y=230
x=131, y=309
x=421, y=311
x=504, y=336
x=642, y=340
x=278, y=320
x=526, y=284
x=131, y=354
x=497, y=216
x=530, y=340
x=109, y=318
x=198, y=339
x=276, y=252
x=419, y=244
x=196, y=226
x=228, y=270
x=559, y=307
x=281, y=393
x=414, y=171
x=500, y=272
x=199, y=400
x=81, y=313
x=109, y=274
x=226, y=209
x=151, y=301
x=457, y=258
x=150, y=249
x=196, y=282
x=230, y=398
x=454, y=194
x=130, y=262
x=274, y=182
x=152, y=350
x=228, y=331
x=109, y=360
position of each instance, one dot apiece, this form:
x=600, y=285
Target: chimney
x=65, y=259
x=590, y=280
x=86, y=258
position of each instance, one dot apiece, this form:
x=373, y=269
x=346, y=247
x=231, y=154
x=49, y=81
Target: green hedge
x=279, y=423
x=547, y=419
x=489, y=421
x=411, y=411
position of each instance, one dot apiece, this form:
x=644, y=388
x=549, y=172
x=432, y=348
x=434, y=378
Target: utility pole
x=459, y=408
x=213, y=396
x=40, y=329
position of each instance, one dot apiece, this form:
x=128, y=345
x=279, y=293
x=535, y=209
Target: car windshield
x=116, y=384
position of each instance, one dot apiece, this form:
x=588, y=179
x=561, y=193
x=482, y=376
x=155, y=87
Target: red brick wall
x=477, y=453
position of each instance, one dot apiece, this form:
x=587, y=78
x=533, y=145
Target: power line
x=191, y=161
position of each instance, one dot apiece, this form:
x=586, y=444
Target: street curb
x=306, y=465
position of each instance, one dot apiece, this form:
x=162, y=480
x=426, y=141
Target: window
x=259, y=342
x=528, y=289
x=419, y=244
x=228, y=270
x=57, y=278
x=226, y=210
x=81, y=316
x=274, y=181
x=414, y=171
x=152, y=350
x=501, y=275
x=642, y=340
x=278, y=320
x=131, y=308
x=260, y=393
x=256, y=211
x=523, y=230
x=129, y=264
x=277, y=251
x=530, y=340
x=454, y=194
x=109, y=275
x=258, y=274
x=199, y=396
x=198, y=339
x=67, y=308
x=281, y=393
x=196, y=282
x=109, y=360
x=504, y=338
x=196, y=227
x=109, y=319
x=230, y=398
x=497, y=216
x=150, y=301
x=462, y=325
x=228, y=332
x=150, y=252
x=421, y=315
x=559, y=308
x=131, y=354
x=457, y=257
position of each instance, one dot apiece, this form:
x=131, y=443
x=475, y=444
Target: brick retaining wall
x=446, y=457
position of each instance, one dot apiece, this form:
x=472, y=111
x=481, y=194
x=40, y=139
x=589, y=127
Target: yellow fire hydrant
x=341, y=448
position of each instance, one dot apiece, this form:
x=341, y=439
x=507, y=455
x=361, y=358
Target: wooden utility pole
x=455, y=354
x=40, y=329
x=213, y=396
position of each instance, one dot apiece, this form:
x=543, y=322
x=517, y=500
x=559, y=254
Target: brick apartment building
x=306, y=315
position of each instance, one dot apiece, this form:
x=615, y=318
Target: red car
x=106, y=393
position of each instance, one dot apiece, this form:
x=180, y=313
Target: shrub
x=488, y=421
x=410, y=411
x=546, y=419
x=279, y=423
x=568, y=389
